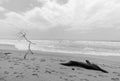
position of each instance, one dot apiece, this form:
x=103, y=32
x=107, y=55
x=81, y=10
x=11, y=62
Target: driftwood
x=87, y=65
x=23, y=34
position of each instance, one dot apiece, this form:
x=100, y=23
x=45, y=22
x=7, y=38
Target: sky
x=61, y=19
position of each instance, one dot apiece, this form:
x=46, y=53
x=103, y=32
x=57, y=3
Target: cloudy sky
x=61, y=19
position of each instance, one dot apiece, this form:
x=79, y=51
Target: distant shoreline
x=67, y=39
x=8, y=47
x=87, y=50
x=84, y=56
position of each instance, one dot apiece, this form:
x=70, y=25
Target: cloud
x=2, y=1
x=96, y=14
x=51, y=15
x=2, y=9
x=55, y=13
x=81, y=15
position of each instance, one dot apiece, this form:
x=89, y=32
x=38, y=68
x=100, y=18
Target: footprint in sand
x=62, y=60
x=115, y=79
x=33, y=59
x=72, y=76
x=80, y=73
x=6, y=72
x=35, y=74
x=49, y=72
x=103, y=76
x=20, y=76
x=16, y=63
x=84, y=80
x=42, y=60
x=11, y=67
x=118, y=74
x=2, y=79
x=65, y=79
x=90, y=75
x=15, y=72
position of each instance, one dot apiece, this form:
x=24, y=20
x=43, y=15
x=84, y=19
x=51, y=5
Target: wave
x=105, y=48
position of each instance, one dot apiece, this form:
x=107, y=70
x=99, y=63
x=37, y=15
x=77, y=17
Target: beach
x=59, y=40
x=45, y=66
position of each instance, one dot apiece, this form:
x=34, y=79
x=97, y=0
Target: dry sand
x=45, y=66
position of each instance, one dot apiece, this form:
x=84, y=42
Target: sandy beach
x=45, y=66
x=64, y=40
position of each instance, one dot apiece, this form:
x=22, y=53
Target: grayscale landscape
x=59, y=40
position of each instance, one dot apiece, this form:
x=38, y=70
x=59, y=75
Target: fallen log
x=86, y=65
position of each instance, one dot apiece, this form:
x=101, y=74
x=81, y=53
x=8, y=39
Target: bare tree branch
x=23, y=35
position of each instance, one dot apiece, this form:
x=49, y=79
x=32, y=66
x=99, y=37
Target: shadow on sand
x=87, y=65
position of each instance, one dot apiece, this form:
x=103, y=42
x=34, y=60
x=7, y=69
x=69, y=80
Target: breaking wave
x=105, y=48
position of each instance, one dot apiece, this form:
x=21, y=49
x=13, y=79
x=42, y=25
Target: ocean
x=104, y=48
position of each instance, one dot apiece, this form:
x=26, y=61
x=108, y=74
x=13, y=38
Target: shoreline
x=12, y=47
x=58, y=54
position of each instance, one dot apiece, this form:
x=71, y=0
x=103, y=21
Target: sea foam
x=104, y=48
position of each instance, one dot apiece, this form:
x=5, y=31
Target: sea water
x=105, y=48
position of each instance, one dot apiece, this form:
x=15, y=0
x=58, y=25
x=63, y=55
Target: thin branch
x=23, y=34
